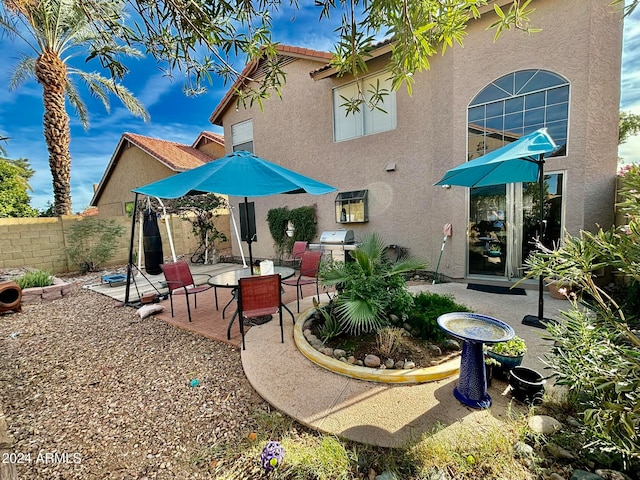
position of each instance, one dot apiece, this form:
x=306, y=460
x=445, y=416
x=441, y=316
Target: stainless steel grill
x=335, y=243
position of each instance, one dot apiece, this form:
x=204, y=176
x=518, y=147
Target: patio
x=374, y=413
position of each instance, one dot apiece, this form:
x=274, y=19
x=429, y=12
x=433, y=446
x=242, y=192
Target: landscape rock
x=608, y=474
x=584, y=475
x=409, y=364
x=338, y=352
x=558, y=452
x=544, y=424
x=522, y=450
x=555, y=476
x=451, y=344
x=389, y=363
x=372, y=361
x=434, y=350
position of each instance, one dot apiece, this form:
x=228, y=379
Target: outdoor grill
x=335, y=243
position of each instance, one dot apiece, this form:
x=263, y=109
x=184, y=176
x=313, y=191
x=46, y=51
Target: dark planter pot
x=489, y=373
x=506, y=364
x=527, y=385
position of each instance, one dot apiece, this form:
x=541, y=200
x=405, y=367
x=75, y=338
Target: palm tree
x=56, y=31
x=370, y=287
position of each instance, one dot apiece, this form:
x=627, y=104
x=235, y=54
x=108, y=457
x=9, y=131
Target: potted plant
x=509, y=353
x=560, y=289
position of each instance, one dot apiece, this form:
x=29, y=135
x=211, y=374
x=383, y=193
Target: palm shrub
x=596, y=353
x=370, y=288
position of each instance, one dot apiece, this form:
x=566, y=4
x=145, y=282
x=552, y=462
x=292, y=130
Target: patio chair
x=260, y=296
x=309, y=267
x=180, y=282
x=299, y=248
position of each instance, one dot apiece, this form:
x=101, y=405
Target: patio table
x=232, y=280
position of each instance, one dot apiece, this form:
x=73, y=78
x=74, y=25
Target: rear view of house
x=565, y=78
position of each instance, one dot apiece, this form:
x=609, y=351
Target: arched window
x=517, y=104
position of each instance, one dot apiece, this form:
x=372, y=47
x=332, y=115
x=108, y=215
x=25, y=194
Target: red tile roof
x=213, y=137
x=176, y=156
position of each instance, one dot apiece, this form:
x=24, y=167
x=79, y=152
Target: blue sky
x=179, y=118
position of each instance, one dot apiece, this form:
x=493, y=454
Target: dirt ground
x=91, y=391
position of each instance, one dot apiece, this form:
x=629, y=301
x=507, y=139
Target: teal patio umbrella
x=239, y=174
x=519, y=161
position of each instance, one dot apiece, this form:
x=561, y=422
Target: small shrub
x=331, y=327
x=388, y=339
x=38, y=278
x=92, y=242
x=423, y=317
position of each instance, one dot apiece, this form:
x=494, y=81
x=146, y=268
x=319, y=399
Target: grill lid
x=337, y=237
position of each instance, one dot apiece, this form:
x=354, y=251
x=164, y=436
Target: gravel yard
x=89, y=390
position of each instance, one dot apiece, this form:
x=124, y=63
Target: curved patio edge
x=414, y=375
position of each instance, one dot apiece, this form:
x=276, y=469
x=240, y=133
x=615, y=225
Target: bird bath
x=474, y=330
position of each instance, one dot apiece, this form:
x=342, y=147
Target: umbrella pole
x=530, y=319
x=246, y=219
x=541, y=220
x=235, y=229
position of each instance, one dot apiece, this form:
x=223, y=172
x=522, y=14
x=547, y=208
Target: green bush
x=370, y=288
x=423, y=317
x=92, y=242
x=37, y=278
x=596, y=352
x=305, y=228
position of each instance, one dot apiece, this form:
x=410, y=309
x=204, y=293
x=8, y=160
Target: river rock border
x=413, y=375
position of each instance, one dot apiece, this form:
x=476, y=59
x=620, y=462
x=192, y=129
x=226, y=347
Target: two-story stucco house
x=473, y=99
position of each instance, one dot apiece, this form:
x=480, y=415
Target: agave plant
x=370, y=288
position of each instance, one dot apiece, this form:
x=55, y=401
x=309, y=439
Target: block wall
x=41, y=243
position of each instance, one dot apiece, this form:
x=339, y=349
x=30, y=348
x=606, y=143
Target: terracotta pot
x=555, y=287
x=10, y=297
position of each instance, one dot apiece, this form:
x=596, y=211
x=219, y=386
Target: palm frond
x=77, y=104
x=363, y=316
x=100, y=87
x=407, y=265
x=22, y=71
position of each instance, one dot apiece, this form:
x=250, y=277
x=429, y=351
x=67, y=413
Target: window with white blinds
x=242, y=136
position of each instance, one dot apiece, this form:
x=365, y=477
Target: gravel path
x=91, y=391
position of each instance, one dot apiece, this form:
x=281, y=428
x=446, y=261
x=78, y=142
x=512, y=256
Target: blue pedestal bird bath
x=475, y=331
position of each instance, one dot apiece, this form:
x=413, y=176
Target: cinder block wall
x=41, y=243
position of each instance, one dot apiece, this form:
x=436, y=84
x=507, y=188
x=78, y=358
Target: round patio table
x=232, y=280
x=474, y=330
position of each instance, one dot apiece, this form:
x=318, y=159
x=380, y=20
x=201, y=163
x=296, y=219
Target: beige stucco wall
x=135, y=168
x=580, y=40
x=213, y=149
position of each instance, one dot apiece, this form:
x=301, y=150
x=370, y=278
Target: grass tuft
x=37, y=278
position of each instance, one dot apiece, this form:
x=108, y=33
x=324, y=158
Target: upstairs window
x=242, y=136
x=515, y=105
x=366, y=121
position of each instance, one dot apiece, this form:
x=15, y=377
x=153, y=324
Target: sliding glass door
x=503, y=221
